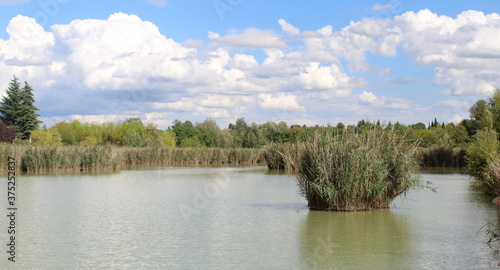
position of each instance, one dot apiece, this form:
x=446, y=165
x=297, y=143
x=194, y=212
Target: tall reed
x=283, y=156
x=84, y=158
x=352, y=172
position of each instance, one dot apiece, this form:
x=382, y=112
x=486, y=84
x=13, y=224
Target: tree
x=28, y=121
x=184, y=131
x=419, y=125
x=46, y=137
x=481, y=113
x=10, y=107
x=494, y=104
x=18, y=109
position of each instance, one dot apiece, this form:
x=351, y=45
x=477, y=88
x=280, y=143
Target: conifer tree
x=10, y=107
x=28, y=120
x=18, y=110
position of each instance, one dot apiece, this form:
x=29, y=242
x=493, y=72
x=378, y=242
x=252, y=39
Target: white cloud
x=378, y=7
x=369, y=99
x=456, y=118
x=185, y=104
x=282, y=101
x=288, y=28
x=158, y=3
x=252, y=38
x=464, y=50
x=332, y=78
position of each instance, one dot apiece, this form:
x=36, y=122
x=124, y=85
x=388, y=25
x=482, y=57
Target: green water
x=237, y=218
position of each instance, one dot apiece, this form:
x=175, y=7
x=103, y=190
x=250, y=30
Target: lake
x=237, y=218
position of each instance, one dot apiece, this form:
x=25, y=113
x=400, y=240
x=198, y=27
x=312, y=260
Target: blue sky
x=297, y=61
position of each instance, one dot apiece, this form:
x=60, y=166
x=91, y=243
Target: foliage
x=191, y=142
x=28, y=121
x=18, y=109
x=7, y=134
x=46, y=137
x=481, y=152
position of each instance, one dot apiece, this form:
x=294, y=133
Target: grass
x=350, y=171
x=90, y=158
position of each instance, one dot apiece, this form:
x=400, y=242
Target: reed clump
x=69, y=158
x=353, y=172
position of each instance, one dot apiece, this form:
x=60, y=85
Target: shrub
x=483, y=160
x=482, y=150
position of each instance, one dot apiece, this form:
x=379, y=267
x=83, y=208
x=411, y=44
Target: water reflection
x=249, y=219
x=354, y=240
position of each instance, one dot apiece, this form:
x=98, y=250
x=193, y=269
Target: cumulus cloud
x=282, y=101
x=369, y=99
x=462, y=49
x=288, y=28
x=316, y=77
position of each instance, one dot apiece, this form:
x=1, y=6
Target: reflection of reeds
x=492, y=231
x=350, y=171
x=74, y=158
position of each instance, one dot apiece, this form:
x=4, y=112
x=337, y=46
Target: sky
x=303, y=62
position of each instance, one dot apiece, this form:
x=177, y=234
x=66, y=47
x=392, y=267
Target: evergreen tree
x=28, y=120
x=10, y=107
x=18, y=109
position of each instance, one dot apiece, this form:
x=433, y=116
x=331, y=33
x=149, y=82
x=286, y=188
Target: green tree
x=67, y=132
x=294, y=134
x=419, y=125
x=481, y=151
x=191, y=142
x=184, y=131
x=28, y=121
x=494, y=104
x=10, y=107
x=168, y=137
x=18, y=109
x=481, y=113
x=46, y=137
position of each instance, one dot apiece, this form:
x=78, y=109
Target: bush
x=483, y=160
x=481, y=151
